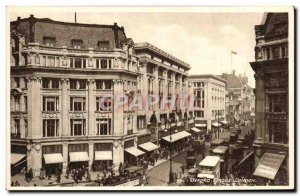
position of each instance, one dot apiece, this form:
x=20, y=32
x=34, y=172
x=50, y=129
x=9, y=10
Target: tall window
x=278, y=132
x=103, y=126
x=25, y=103
x=51, y=61
x=77, y=127
x=199, y=114
x=277, y=103
x=50, y=103
x=78, y=62
x=77, y=104
x=50, y=127
x=103, y=84
x=77, y=84
x=17, y=126
x=103, y=63
x=103, y=104
x=50, y=83
x=141, y=122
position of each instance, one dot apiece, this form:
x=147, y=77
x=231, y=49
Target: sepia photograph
x=150, y=98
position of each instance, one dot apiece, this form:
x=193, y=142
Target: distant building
x=240, y=98
x=272, y=94
x=209, y=104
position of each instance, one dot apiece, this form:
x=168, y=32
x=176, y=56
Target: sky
x=203, y=40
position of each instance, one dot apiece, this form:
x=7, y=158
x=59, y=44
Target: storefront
x=18, y=159
x=78, y=156
x=52, y=159
x=178, y=140
x=103, y=156
x=132, y=155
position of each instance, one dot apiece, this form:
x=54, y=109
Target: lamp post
x=168, y=128
x=218, y=124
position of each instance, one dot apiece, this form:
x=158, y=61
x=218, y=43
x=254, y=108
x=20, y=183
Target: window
x=141, y=122
x=50, y=127
x=103, y=63
x=103, y=126
x=49, y=41
x=50, y=103
x=77, y=84
x=17, y=82
x=77, y=127
x=103, y=84
x=103, y=104
x=77, y=44
x=50, y=83
x=51, y=61
x=199, y=114
x=26, y=127
x=25, y=103
x=17, y=126
x=77, y=103
x=103, y=45
x=278, y=132
x=277, y=103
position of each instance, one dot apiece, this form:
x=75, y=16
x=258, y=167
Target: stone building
x=209, y=104
x=272, y=94
x=167, y=77
x=240, y=98
x=59, y=74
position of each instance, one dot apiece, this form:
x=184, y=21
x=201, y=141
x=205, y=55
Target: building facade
x=166, y=77
x=271, y=109
x=209, y=103
x=62, y=74
x=240, y=99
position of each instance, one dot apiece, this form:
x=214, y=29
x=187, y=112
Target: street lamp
x=168, y=129
x=218, y=124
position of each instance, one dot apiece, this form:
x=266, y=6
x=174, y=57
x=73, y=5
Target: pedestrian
x=182, y=169
x=58, y=178
x=12, y=183
x=17, y=183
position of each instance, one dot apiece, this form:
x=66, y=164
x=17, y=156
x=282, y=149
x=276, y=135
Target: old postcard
x=150, y=98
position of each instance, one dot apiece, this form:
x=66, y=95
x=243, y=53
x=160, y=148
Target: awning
x=269, y=165
x=149, y=146
x=79, y=156
x=134, y=151
x=237, y=118
x=224, y=122
x=53, y=158
x=15, y=158
x=103, y=155
x=200, y=125
x=177, y=136
x=209, y=176
x=246, y=158
x=216, y=124
x=195, y=129
x=216, y=142
x=252, y=114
